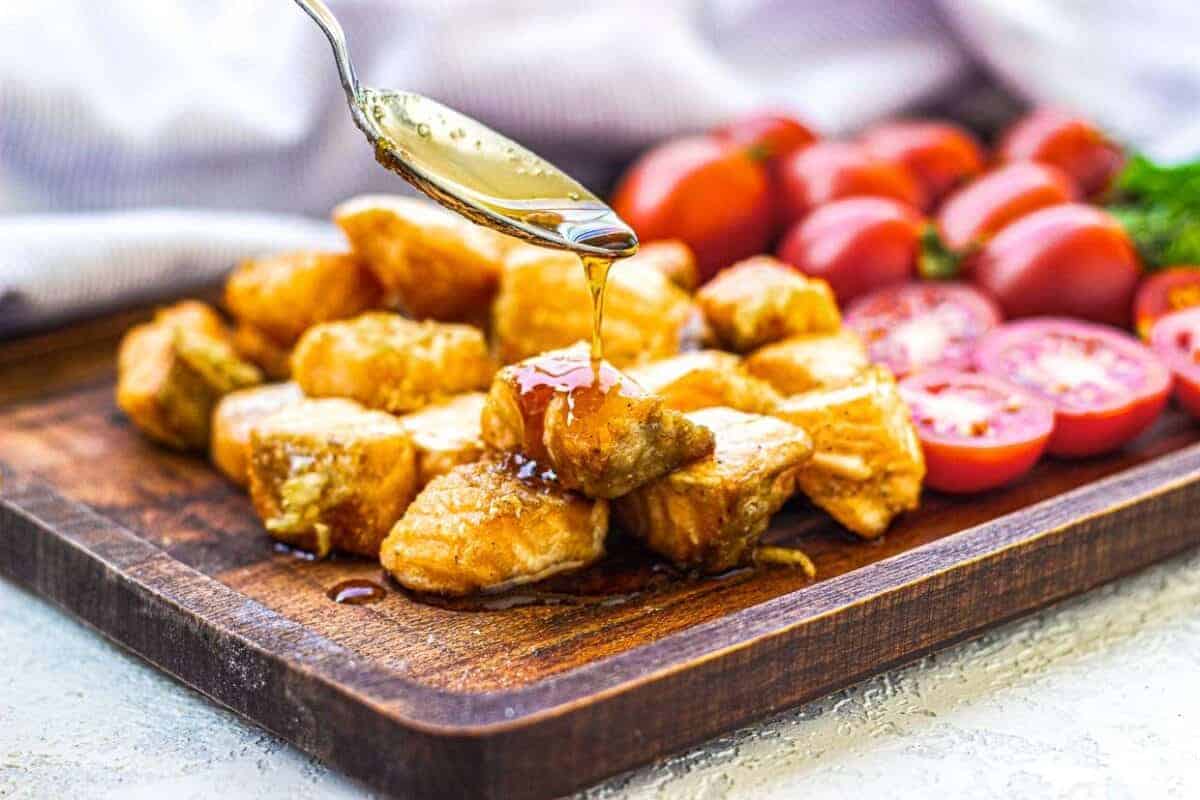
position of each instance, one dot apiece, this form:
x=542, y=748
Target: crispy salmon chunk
x=672, y=258
x=544, y=305
x=762, y=300
x=385, y=361
x=172, y=371
x=284, y=295
x=704, y=379
x=711, y=513
x=484, y=527
x=235, y=417
x=331, y=475
x=868, y=466
x=436, y=264
x=593, y=426
x=810, y=361
x=446, y=434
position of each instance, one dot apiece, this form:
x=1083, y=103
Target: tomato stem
x=936, y=261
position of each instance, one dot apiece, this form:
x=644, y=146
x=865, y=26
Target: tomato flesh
x=922, y=325
x=1163, y=292
x=1176, y=337
x=1106, y=386
x=977, y=432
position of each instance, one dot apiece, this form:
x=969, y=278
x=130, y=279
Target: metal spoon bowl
x=469, y=168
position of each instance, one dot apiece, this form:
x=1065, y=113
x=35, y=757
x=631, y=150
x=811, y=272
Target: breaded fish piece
x=597, y=429
x=704, y=379
x=762, y=300
x=811, y=361
x=446, y=434
x=544, y=305
x=171, y=372
x=436, y=264
x=868, y=465
x=386, y=361
x=274, y=359
x=711, y=513
x=331, y=475
x=481, y=527
x=236, y=415
x=284, y=295
x=673, y=259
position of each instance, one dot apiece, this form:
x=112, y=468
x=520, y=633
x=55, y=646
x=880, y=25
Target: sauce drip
x=356, y=592
x=596, y=269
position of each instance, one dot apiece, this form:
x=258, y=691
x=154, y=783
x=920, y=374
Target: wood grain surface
x=158, y=552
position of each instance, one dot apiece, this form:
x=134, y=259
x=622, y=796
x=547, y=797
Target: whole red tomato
x=767, y=134
x=1069, y=142
x=708, y=194
x=828, y=171
x=1069, y=260
x=978, y=210
x=940, y=155
x=857, y=245
x=1171, y=290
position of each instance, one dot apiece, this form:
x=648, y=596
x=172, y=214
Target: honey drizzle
x=596, y=269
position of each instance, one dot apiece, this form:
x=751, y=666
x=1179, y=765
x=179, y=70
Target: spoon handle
x=332, y=29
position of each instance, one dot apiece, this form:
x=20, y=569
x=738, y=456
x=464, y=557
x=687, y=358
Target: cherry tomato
x=857, y=244
x=977, y=431
x=1071, y=259
x=1176, y=338
x=711, y=196
x=916, y=326
x=1071, y=143
x=1170, y=290
x=768, y=134
x=971, y=215
x=940, y=155
x=1106, y=386
x=829, y=171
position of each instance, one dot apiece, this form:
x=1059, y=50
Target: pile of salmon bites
x=435, y=404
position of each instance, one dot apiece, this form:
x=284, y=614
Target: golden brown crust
x=762, y=300
x=672, y=258
x=284, y=295
x=704, y=379
x=868, y=465
x=479, y=527
x=603, y=442
x=446, y=434
x=235, y=417
x=711, y=513
x=544, y=305
x=274, y=359
x=386, y=361
x=436, y=264
x=811, y=361
x=171, y=372
x=330, y=475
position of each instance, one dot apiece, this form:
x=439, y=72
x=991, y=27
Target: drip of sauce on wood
x=356, y=592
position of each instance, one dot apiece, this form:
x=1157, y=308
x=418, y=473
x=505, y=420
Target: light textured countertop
x=1095, y=698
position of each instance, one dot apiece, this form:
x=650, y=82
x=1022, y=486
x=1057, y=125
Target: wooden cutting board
x=160, y=554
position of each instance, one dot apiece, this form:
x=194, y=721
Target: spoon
x=469, y=168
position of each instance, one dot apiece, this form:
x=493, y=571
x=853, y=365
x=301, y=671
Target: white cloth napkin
x=234, y=104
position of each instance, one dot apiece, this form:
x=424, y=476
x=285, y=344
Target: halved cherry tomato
x=1071, y=259
x=710, y=195
x=857, y=244
x=768, y=134
x=1069, y=142
x=940, y=155
x=971, y=215
x=977, y=431
x=1106, y=386
x=828, y=171
x=1176, y=337
x=916, y=326
x=1173, y=289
